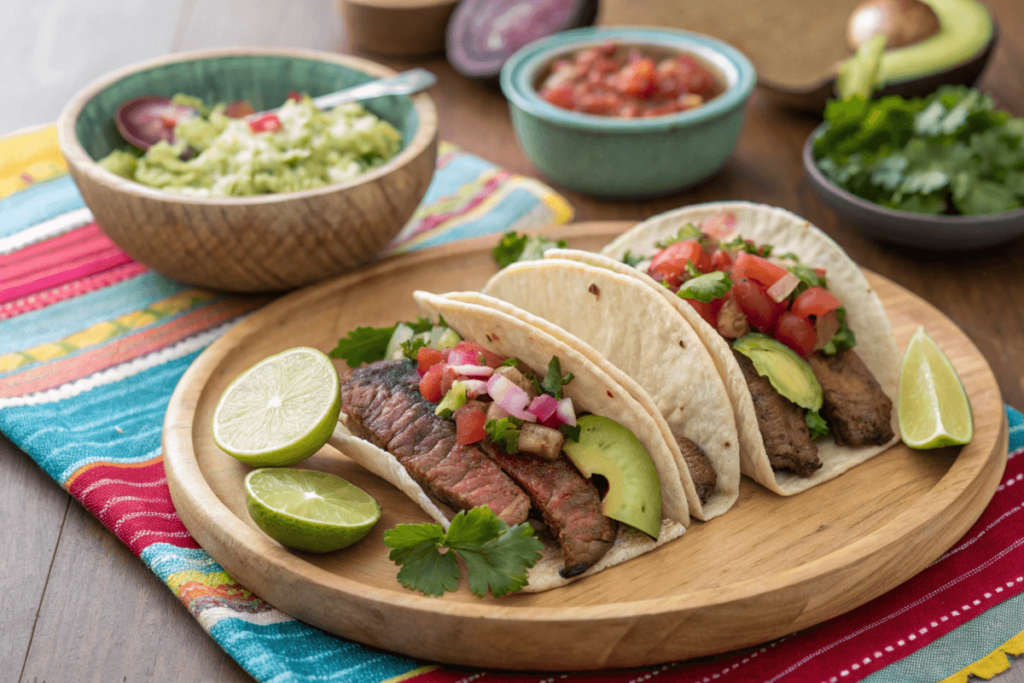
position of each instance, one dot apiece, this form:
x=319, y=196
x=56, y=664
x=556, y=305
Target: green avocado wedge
x=634, y=492
x=788, y=373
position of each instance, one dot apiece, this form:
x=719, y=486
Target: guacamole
x=299, y=147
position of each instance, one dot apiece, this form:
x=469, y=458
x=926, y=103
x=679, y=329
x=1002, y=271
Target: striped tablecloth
x=92, y=345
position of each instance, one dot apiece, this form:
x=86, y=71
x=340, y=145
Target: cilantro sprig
x=514, y=247
x=555, y=380
x=816, y=423
x=497, y=556
x=687, y=232
x=705, y=288
x=841, y=340
x=369, y=344
x=504, y=433
x=631, y=259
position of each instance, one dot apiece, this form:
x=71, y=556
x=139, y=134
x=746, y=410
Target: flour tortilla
x=624, y=326
x=591, y=390
x=786, y=232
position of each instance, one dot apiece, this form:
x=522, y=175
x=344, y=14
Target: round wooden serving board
x=769, y=567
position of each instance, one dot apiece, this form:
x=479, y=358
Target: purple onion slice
x=145, y=121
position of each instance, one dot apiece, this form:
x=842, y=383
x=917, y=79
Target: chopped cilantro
x=409, y=348
x=843, y=339
x=504, y=433
x=705, y=288
x=514, y=247
x=687, y=232
x=570, y=432
x=816, y=423
x=630, y=260
x=496, y=556
x=512, y=362
x=791, y=256
x=555, y=380
x=691, y=269
x=808, y=278
x=748, y=246
x=368, y=344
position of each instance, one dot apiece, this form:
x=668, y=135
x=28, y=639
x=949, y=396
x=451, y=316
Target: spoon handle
x=404, y=83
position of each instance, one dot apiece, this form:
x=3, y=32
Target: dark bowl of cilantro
x=943, y=172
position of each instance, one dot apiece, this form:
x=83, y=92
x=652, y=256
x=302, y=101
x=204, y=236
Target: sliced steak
x=702, y=472
x=787, y=440
x=858, y=411
x=385, y=407
x=568, y=502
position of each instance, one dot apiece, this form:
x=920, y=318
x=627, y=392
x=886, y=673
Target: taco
x=624, y=325
x=799, y=337
x=475, y=421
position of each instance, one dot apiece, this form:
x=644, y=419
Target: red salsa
x=609, y=81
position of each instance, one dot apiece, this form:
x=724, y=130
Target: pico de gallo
x=738, y=287
x=607, y=80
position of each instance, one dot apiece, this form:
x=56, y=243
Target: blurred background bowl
x=398, y=28
x=606, y=156
x=261, y=243
x=935, y=233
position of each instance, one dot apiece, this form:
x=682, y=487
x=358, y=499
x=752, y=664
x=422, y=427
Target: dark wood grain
x=51, y=49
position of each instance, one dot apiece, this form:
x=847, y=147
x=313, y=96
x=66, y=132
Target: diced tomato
x=470, y=419
x=721, y=260
x=239, y=109
x=427, y=358
x=797, y=333
x=670, y=262
x=761, y=310
x=491, y=360
x=637, y=79
x=814, y=301
x=430, y=384
x=820, y=272
x=295, y=95
x=758, y=269
x=265, y=123
x=169, y=122
x=447, y=379
x=559, y=95
x=598, y=103
x=708, y=311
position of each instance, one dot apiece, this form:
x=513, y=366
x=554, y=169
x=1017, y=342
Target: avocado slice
x=790, y=374
x=634, y=491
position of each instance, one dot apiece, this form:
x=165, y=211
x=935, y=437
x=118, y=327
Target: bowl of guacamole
x=237, y=207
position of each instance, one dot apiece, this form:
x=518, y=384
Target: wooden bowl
x=249, y=244
x=398, y=28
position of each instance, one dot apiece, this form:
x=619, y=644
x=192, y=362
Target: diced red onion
x=464, y=356
x=719, y=225
x=565, y=412
x=510, y=397
x=543, y=406
x=472, y=370
x=474, y=387
x=783, y=287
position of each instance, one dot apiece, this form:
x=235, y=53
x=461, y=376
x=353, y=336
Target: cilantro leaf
x=409, y=348
x=512, y=362
x=808, y=278
x=843, y=339
x=570, y=432
x=748, y=246
x=687, y=232
x=555, y=380
x=630, y=260
x=504, y=433
x=705, y=288
x=816, y=423
x=363, y=345
x=790, y=256
x=514, y=247
x=691, y=269
x=496, y=556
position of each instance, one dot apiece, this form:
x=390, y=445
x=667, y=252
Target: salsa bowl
x=608, y=156
x=261, y=243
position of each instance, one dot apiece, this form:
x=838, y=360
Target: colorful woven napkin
x=92, y=344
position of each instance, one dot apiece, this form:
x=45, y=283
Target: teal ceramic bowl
x=627, y=158
x=268, y=242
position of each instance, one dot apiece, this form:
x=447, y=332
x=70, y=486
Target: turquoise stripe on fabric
x=165, y=559
x=81, y=312
x=38, y=203
x=511, y=208
x=292, y=652
x=459, y=171
x=64, y=435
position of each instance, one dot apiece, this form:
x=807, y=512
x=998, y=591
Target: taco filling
x=474, y=428
x=789, y=336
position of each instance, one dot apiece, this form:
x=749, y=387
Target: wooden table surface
x=76, y=604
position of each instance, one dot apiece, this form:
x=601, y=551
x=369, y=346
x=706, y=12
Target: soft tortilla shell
x=583, y=301
x=786, y=232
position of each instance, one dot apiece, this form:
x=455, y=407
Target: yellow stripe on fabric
x=412, y=674
x=192, y=576
x=29, y=157
x=107, y=330
x=992, y=664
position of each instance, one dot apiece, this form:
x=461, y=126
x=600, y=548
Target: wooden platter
x=769, y=567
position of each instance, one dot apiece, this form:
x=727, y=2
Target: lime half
x=933, y=408
x=281, y=410
x=309, y=510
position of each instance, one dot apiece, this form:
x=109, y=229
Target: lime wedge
x=309, y=510
x=281, y=410
x=933, y=408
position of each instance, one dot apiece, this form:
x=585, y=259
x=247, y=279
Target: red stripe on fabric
x=63, y=273
x=86, y=232
x=46, y=261
x=70, y=290
x=123, y=349
x=133, y=502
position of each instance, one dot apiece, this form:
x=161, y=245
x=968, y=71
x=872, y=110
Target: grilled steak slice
x=858, y=411
x=787, y=440
x=568, y=502
x=701, y=470
x=385, y=407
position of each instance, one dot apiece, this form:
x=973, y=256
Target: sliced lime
x=309, y=510
x=933, y=407
x=281, y=410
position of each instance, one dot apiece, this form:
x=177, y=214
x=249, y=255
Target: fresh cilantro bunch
x=369, y=344
x=496, y=555
x=948, y=153
x=514, y=247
